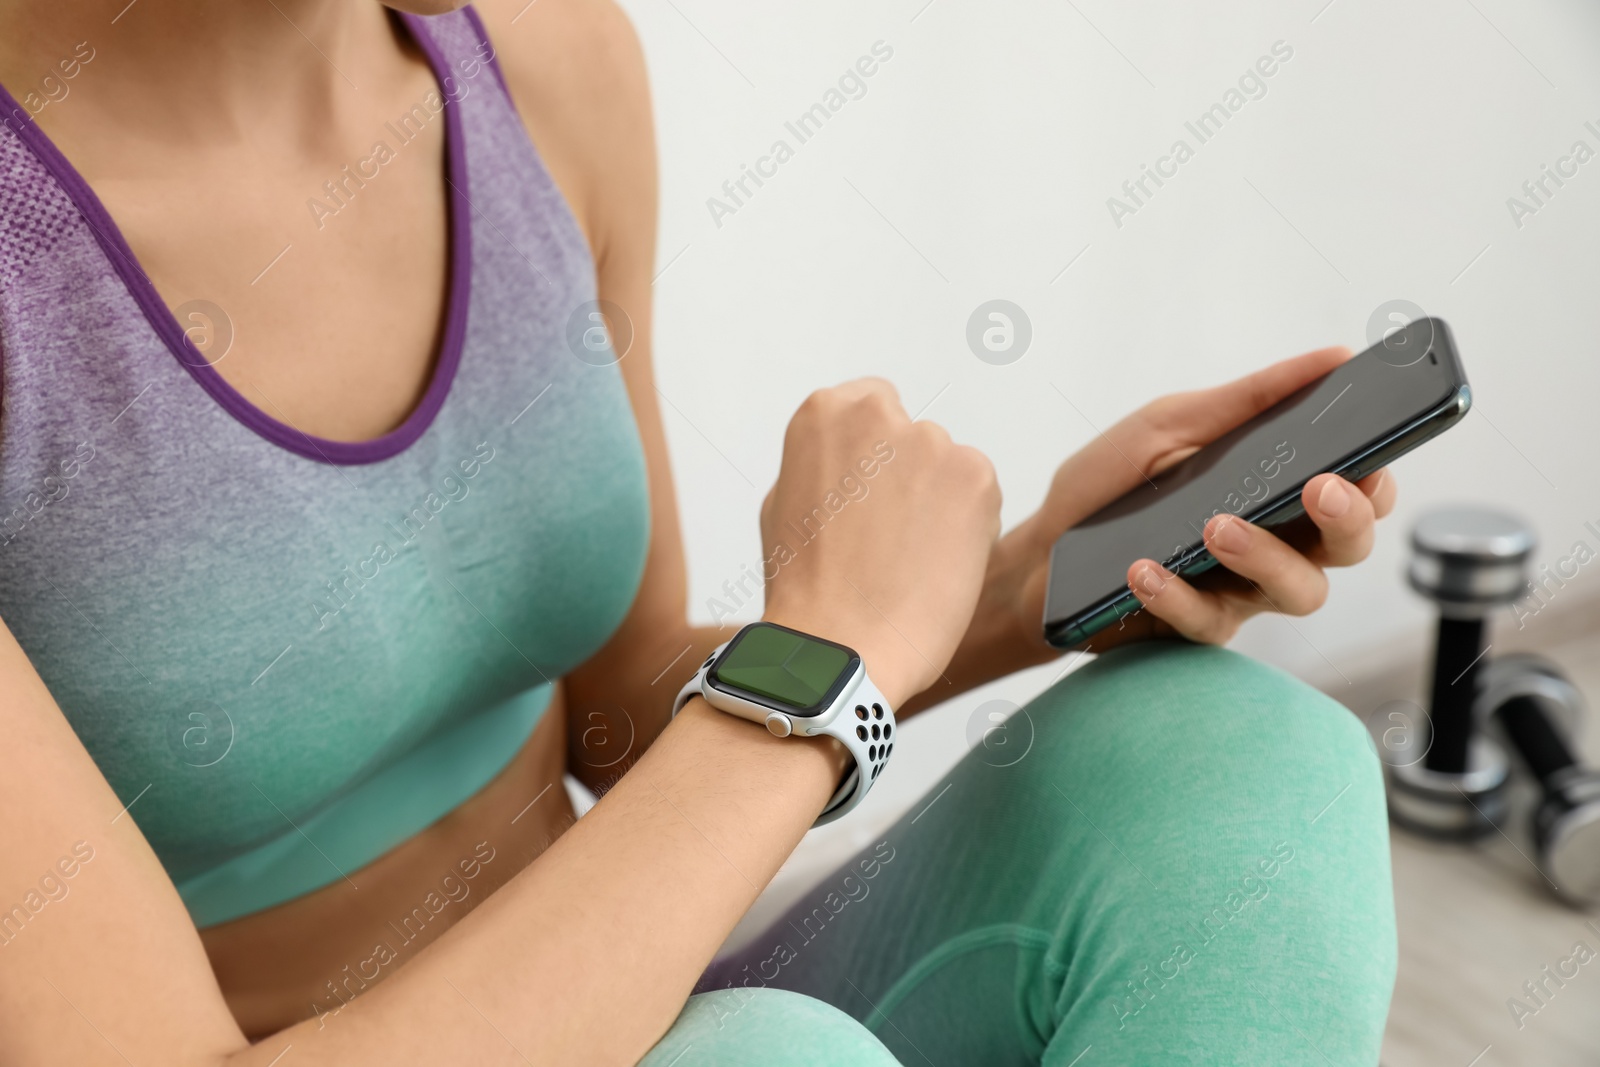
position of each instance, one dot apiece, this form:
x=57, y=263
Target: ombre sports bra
x=288, y=654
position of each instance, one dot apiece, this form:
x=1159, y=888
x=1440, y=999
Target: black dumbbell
x=1468, y=561
x=1539, y=711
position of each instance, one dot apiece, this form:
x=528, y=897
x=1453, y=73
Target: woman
x=334, y=542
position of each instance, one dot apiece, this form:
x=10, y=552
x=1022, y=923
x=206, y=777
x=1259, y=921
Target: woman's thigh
x=765, y=1028
x=1178, y=855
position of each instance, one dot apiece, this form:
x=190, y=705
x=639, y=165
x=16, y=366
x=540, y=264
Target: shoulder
x=576, y=72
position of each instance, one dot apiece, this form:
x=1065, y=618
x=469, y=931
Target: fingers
x=1203, y=617
x=1288, y=581
x=873, y=402
x=863, y=387
x=1345, y=516
x=1278, y=578
x=1381, y=489
x=876, y=393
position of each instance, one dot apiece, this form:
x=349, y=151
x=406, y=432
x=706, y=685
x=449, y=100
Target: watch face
x=783, y=669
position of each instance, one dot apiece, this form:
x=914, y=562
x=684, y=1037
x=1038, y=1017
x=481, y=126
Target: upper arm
x=99, y=960
x=577, y=75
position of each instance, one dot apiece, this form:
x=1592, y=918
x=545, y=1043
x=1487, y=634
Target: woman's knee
x=1215, y=808
x=1162, y=712
x=741, y=1026
x=1204, y=767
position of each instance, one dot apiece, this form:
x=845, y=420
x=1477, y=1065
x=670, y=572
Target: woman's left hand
x=1260, y=570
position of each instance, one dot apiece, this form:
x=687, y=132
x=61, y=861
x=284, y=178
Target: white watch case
x=858, y=717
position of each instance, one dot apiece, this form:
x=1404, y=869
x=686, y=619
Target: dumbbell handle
x=1542, y=748
x=1457, y=656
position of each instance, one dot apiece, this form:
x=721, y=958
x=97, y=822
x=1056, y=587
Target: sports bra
x=288, y=654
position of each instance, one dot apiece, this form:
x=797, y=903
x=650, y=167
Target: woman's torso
x=251, y=621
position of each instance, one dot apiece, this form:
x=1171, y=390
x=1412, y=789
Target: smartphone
x=1366, y=413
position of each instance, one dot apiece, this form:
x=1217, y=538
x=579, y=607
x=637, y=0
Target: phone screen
x=1257, y=471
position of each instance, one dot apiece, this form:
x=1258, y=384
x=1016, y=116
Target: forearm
x=616, y=708
x=588, y=954
x=1003, y=637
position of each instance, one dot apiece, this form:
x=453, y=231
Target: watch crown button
x=778, y=725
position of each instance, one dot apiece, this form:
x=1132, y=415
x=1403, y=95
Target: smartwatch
x=801, y=686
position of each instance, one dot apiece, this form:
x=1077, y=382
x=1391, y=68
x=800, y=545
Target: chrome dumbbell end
x=1566, y=828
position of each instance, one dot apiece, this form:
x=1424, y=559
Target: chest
x=191, y=573
x=314, y=278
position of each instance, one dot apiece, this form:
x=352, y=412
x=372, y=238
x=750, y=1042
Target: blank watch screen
x=782, y=666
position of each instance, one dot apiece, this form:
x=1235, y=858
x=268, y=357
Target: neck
x=203, y=69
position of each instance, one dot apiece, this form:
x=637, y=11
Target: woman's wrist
x=1006, y=633
x=819, y=763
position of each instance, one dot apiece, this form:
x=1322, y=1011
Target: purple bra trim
x=494, y=57
x=144, y=292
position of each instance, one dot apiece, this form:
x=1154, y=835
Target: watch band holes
x=877, y=711
x=861, y=732
x=872, y=753
x=876, y=733
x=887, y=729
x=861, y=712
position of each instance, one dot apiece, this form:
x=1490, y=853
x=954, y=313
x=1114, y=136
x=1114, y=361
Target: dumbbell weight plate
x=1469, y=560
x=1452, y=806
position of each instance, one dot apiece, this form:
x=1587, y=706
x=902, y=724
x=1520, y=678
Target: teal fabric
x=376, y=816
x=766, y=1028
x=1176, y=855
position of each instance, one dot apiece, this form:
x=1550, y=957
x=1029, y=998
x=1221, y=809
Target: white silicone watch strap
x=860, y=719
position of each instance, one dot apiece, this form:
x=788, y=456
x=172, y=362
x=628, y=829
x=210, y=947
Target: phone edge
x=1066, y=634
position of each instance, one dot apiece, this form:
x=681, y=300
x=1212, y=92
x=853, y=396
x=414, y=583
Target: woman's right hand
x=877, y=533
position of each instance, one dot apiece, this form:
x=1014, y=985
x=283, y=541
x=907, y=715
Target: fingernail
x=1334, y=500
x=1150, y=582
x=1230, y=535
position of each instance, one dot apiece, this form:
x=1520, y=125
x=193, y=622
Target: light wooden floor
x=1477, y=922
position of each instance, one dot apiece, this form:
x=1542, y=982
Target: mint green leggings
x=1178, y=856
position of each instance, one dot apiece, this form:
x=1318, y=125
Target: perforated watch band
x=859, y=718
